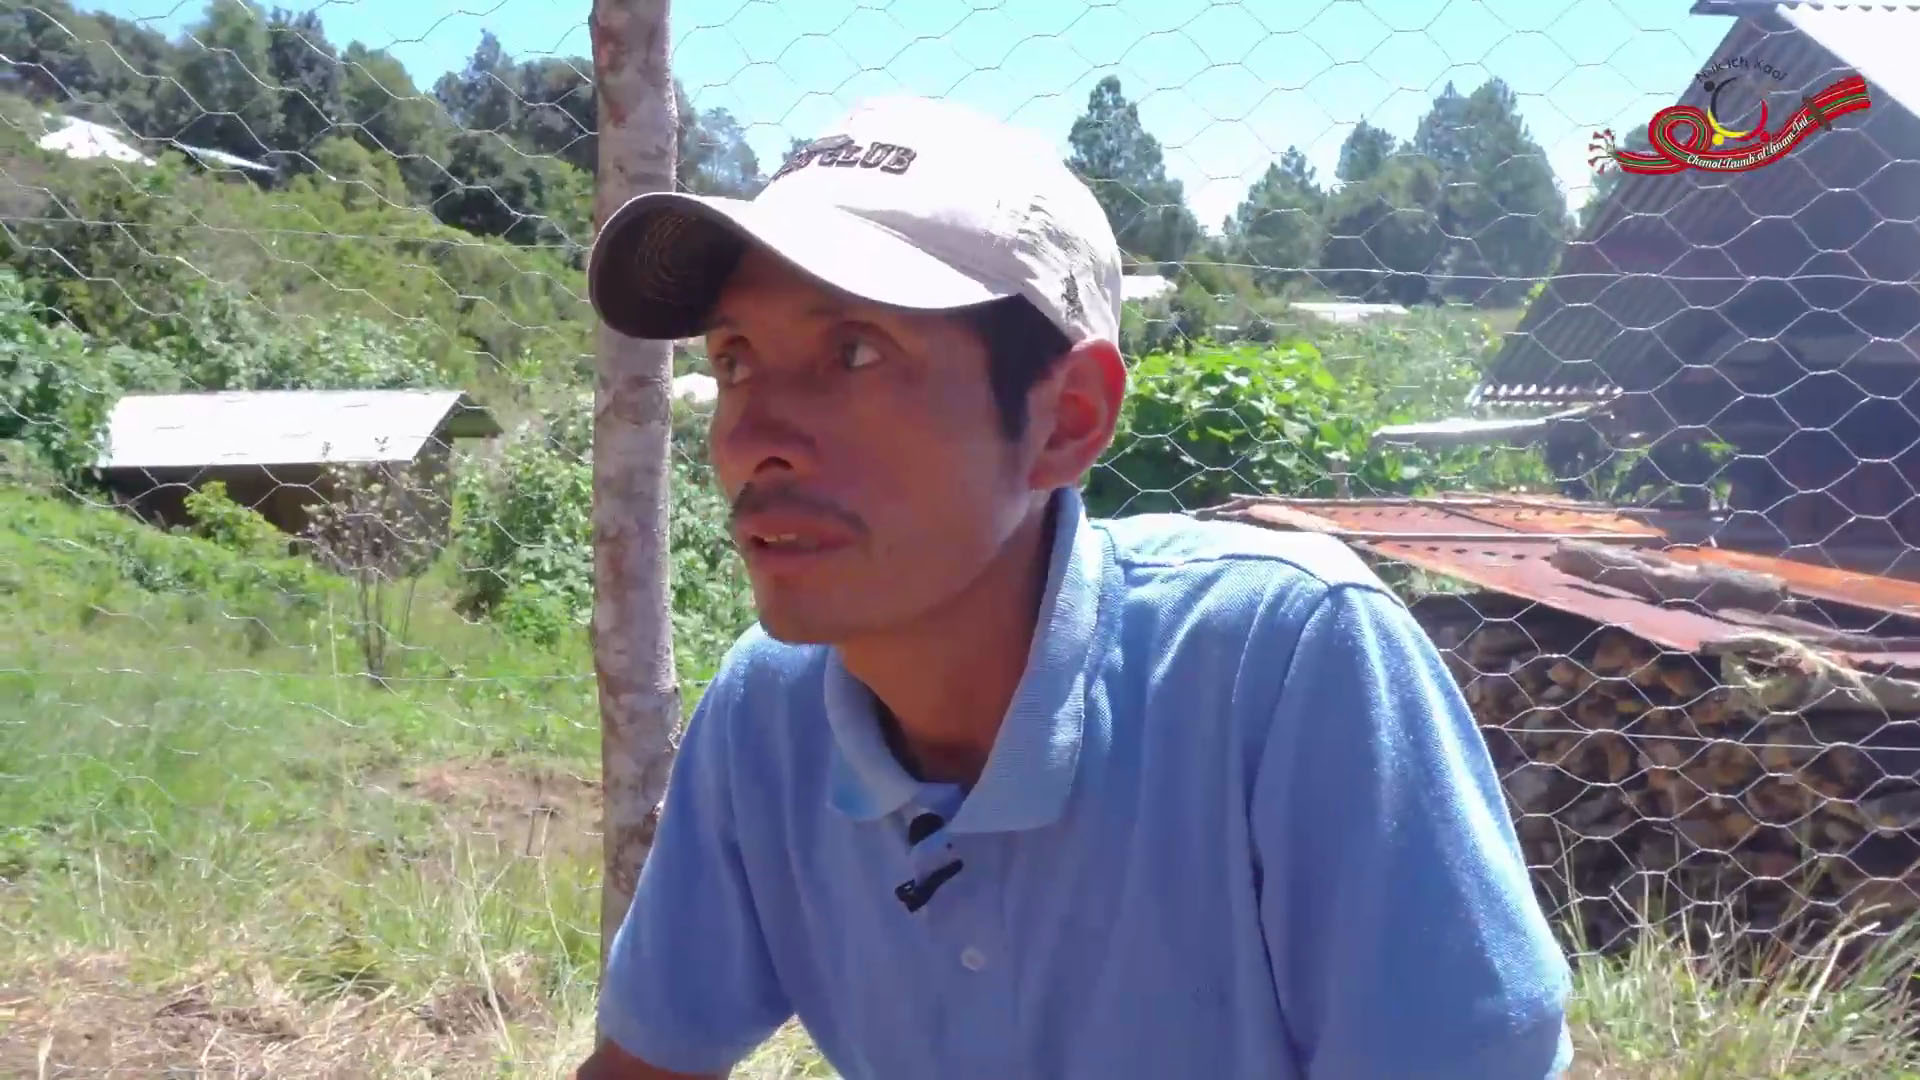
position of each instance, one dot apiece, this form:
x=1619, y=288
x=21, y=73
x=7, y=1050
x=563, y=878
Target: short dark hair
x=1022, y=346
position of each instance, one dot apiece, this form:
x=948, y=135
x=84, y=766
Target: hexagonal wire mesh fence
x=297, y=750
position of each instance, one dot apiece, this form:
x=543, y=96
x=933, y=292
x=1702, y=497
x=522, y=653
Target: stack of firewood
x=1757, y=784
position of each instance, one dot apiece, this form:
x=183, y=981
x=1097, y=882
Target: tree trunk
x=632, y=628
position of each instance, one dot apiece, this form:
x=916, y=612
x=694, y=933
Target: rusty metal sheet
x=1550, y=519
x=1519, y=568
x=1461, y=513
x=1891, y=596
x=1514, y=562
x=1547, y=520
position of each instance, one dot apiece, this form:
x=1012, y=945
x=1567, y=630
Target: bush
x=240, y=529
x=525, y=537
x=524, y=531
x=1296, y=419
x=57, y=385
x=220, y=341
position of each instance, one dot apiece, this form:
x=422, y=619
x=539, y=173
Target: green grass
x=225, y=850
x=1670, y=1010
x=196, y=780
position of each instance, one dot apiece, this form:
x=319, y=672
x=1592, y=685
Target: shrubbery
x=525, y=535
x=1296, y=419
x=57, y=385
x=239, y=529
x=161, y=255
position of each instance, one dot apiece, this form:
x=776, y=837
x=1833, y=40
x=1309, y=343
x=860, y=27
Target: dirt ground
x=535, y=810
x=83, y=1015
x=80, y=1017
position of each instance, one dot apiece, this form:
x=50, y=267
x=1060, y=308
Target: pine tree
x=1124, y=166
x=1364, y=153
x=226, y=73
x=1502, y=212
x=1277, y=227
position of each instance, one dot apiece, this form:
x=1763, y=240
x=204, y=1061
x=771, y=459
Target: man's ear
x=1073, y=412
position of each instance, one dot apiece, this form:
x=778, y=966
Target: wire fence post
x=632, y=628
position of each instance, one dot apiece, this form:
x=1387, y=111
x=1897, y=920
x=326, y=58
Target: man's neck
x=945, y=683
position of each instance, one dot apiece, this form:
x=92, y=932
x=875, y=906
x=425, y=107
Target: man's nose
x=768, y=428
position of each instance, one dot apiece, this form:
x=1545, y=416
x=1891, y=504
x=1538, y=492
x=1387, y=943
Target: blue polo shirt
x=1238, y=822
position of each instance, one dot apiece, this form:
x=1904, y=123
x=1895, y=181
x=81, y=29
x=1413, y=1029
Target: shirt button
x=972, y=959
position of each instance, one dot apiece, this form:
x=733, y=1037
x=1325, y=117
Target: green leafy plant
x=525, y=536
x=1296, y=418
x=237, y=528
x=57, y=385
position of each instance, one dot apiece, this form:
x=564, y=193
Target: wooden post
x=632, y=630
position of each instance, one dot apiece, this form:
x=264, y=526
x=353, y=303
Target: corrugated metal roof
x=1706, y=269
x=1468, y=432
x=1346, y=311
x=285, y=427
x=207, y=155
x=1144, y=286
x=1504, y=544
x=86, y=140
x=1876, y=40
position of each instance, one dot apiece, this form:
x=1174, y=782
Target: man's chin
x=794, y=629
x=796, y=621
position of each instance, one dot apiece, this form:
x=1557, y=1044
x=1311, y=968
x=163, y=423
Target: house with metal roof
x=1773, y=310
x=284, y=452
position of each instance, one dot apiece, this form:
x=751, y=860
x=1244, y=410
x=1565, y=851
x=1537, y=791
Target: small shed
x=280, y=451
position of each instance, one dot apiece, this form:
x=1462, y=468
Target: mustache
x=756, y=498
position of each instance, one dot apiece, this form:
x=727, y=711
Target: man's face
x=863, y=453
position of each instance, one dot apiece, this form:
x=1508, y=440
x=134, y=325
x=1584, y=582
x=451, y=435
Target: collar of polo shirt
x=1030, y=770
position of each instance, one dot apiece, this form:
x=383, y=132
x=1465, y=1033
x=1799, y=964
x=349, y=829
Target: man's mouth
x=784, y=542
x=779, y=539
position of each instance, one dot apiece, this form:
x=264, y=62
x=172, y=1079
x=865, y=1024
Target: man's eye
x=859, y=353
x=727, y=368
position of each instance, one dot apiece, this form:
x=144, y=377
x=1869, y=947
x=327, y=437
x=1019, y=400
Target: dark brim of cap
x=662, y=258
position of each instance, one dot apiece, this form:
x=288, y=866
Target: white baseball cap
x=907, y=202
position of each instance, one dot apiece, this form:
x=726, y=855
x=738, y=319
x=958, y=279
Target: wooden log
x=1620, y=653
x=1569, y=673
x=1897, y=811
x=1778, y=800
x=1593, y=711
x=1724, y=767
x=1684, y=678
x=1712, y=711
x=1813, y=633
x=1491, y=646
x=1628, y=767
x=1659, y=579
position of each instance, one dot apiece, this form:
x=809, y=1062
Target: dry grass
x=84, y=1016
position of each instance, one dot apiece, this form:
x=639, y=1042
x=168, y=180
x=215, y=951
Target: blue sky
x=1226, y=87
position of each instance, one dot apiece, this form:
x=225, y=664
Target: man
x=994, y=790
